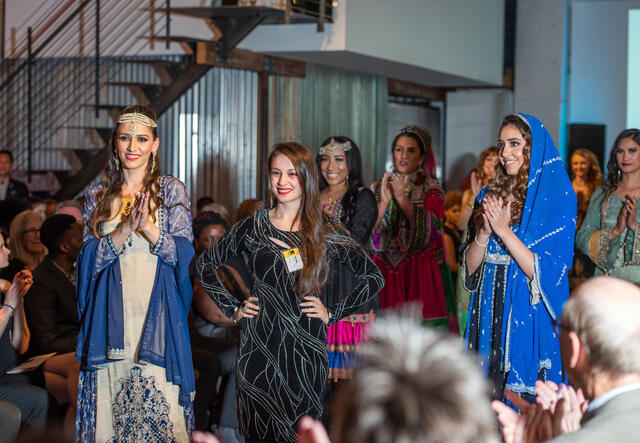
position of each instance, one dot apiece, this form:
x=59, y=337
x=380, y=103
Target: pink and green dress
x=344, y=336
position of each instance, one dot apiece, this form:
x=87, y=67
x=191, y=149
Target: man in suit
x=10, y=188
x=600, y=343
x=51, y=304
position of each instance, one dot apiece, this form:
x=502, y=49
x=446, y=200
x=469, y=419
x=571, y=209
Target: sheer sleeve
x=594, y=238
x=368, y=278
x=106, y=251
x=177, y=222
x=364, y=216
x=229, y=246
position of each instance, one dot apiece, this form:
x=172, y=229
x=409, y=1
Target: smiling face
x=333, y=167
x=579, y=166
x=512, y=144
x=452, y=215
x=285, y=184
x=406, y=155
x=134, y=145
x=209, y=236
x=628, y=156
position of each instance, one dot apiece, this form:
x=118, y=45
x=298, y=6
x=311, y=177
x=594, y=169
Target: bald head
x=604, y=311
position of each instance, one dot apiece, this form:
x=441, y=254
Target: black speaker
x=589, y=137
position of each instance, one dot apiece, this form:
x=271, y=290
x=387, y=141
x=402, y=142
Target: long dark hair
x=501, y=185
x=115, y=177
x=354, y=164
x=611, y=182
x=314, y=226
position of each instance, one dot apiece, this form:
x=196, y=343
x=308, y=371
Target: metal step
x=145, y=93
x=271, y=15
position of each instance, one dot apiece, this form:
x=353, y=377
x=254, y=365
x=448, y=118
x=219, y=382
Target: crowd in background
x=414, y=233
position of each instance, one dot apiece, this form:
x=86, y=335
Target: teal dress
x=619, y=257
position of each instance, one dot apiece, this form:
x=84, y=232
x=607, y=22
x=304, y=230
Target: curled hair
x=594, y=175
x=314, y=226
x=354, y=164
x=493, y=150
x=611, y=182
x=390, y=399
x=504, y=185
x=207, y=218
x=115, y=178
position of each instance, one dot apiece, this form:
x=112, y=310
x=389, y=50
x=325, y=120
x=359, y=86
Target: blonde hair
x=16, y=232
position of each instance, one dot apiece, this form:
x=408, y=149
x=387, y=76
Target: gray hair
x=416, y=386
x=604, y=312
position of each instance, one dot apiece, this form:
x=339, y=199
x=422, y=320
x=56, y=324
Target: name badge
x=293, y=259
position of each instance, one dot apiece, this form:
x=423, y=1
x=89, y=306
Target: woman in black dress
x=282, y=363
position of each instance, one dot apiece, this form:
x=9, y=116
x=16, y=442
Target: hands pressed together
x=496, y=215
x=21, y=283
x=558, y=410
x=626, y=216
x=392, y=186
x=138, y=218
x=311, y=306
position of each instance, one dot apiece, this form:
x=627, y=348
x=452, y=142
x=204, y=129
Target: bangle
x=475, y=239
x=9, y=306
x=233, y=316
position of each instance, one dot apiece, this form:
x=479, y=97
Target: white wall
x=462, y=38
x=473, y=119
x=598, y=79
x=459, y=37
x=540, y=71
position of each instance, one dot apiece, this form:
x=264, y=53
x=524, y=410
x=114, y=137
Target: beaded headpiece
x=136, y=117
x=334, y=145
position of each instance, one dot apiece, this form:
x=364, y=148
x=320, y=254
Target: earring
x=117, y=162
x=153, y=162
x=619, y=174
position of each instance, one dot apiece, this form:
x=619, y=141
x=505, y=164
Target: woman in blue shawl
x=516, y=261
x=134, y=294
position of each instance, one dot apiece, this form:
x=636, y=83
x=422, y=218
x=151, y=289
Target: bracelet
x=475, y=239
x=233, y=316
x=9, y=306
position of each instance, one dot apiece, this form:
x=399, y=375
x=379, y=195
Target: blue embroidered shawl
x=165, y=336
x=547, y=228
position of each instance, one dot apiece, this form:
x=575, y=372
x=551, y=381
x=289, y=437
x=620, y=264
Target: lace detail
x=140, y=410
x=497, y=258
x=86, y=411
x=603, y=247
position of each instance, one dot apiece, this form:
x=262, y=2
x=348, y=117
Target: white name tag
x=293, y=259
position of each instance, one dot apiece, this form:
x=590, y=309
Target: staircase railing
x=41, y=92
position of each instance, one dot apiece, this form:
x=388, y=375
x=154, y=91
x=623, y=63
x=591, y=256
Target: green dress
x=619, y=257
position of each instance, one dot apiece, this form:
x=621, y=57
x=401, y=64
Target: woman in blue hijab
x=519, y=251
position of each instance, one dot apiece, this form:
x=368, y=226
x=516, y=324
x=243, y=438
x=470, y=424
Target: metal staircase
x=67, y=77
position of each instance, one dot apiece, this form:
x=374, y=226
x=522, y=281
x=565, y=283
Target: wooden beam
x=400, y=87
x=249, y=61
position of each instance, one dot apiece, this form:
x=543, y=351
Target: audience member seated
x=27, y=251
x=70, y=207
x=600, y=342
x=416, y=385
x=20, y=403
x=10, y=188
x=52, y=313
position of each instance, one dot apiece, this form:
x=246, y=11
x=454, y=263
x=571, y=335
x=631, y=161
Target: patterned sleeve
x=594, y=239
x=364, y=216
x=471, y=282
x=368, y=281
x=230, y=245
x=177, y=223
x=106, y=251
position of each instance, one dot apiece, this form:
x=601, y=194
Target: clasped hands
x=138, y=218
x=496, y=216
x=558, y=410
x=311, y=306
x=392, y=186
x=626, y=216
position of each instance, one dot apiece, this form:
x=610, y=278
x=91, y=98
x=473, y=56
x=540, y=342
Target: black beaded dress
x=282, y=362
